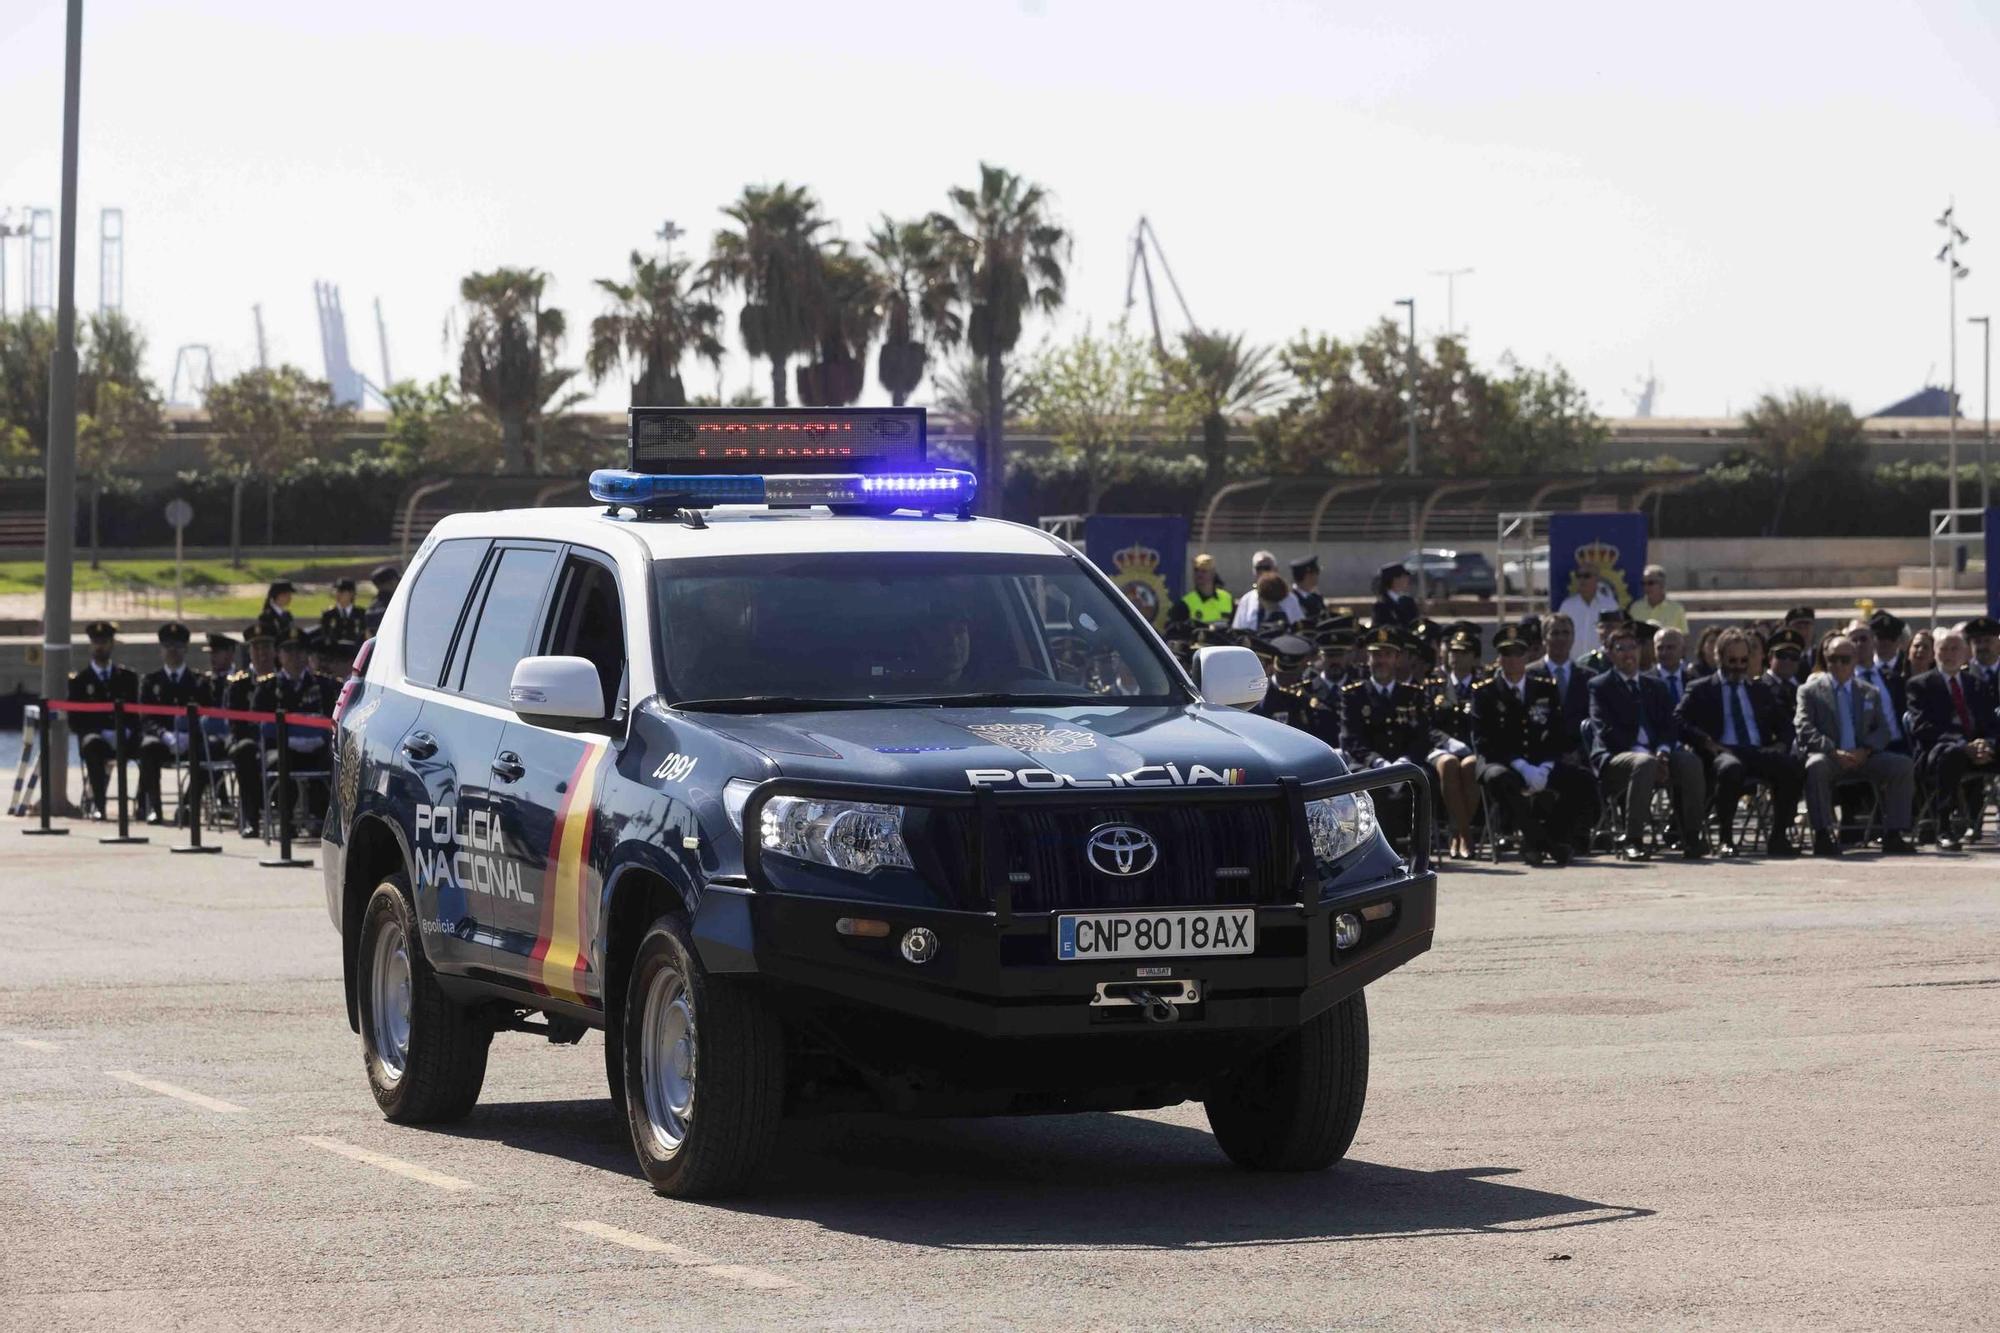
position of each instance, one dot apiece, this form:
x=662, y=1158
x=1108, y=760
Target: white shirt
x=1584, y=618
x=1251, y=606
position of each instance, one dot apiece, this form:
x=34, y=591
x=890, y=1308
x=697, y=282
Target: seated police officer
x=174, y=684
x=1516, y=729
x=1287, y=696
x=1843, y=732
x=296, y=690
x=1734, y=724
x=101, y=681
x=246, y=742
x=1383, y=720
x=1956, y=727
x=1452, y=757
x=1636, y=744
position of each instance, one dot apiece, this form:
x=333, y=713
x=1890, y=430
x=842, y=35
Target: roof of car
x=753, y=530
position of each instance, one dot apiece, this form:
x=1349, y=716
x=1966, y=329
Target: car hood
x=956, y=749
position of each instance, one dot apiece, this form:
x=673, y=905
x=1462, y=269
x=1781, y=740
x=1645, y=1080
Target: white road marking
x=35, y=1043
x=175, y=1091
x=634, y=1240
x=395, y=1164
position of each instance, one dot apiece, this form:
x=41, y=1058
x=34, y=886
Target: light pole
x=669, y=232
x=1410, y=406
x=60, y=513
x=1451, y=277
x=1985, y=323
x=1953, y=270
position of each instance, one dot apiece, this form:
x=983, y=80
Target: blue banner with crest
x=1993, y=562
x=1612, y=544
x=1145, y=555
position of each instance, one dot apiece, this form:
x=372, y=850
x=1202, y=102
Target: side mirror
x=555, y=690
x=1230, y=676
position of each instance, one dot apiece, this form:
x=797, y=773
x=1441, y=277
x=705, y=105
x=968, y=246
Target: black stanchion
x=286, y=798
x=48, y=797
x=197, y=760
x=118, y=756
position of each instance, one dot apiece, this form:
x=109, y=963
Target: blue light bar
x=930, y=492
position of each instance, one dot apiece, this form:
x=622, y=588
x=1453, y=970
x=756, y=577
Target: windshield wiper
x=785, y=703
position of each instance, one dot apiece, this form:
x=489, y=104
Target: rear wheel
x=1297, y=1106
x=704, y=1069
x=425, y=1056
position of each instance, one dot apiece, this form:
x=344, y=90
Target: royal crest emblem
x=1034, y=737
x=1136, y=571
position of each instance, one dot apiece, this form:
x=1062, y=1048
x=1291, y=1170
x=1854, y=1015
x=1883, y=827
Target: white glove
x=1535, y=775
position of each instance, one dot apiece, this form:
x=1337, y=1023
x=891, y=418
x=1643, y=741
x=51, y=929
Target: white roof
x=754, y=530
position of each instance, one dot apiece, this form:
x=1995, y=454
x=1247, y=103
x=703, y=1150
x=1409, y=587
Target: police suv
x=813, y=792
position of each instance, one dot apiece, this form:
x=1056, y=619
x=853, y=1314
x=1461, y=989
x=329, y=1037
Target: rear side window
x=586, y=622
x=509, y=613
x=434, y=604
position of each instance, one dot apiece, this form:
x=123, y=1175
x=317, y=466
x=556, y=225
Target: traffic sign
x=179, y=513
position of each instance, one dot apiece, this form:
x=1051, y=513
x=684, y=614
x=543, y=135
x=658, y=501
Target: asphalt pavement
x=1736, y=1095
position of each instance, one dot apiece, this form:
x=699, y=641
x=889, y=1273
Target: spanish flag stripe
x=552, y=859
x=570, y=865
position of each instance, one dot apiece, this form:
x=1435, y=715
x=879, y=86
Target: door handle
x=508, y=767
x=420, y=745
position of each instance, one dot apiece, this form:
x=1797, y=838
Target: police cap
x=1289, y=649
x=343, y=585
x=218, y=641
x=100, y=631
x=1462, y=642
x=291, y=639
x=1393, y=570
x=1308, y=564
x=174, y=632
x=1508, y=638
x=259, y=631
x=1982, y=627
x=1799, y=613
x=382, y=574
x=1608, y=617
x=1645, y=630
x=279, y=586
x=1786, y=641
x=1885, y=625
x=1383, y=636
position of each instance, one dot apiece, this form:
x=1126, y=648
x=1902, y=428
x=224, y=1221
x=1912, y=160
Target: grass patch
x=24, y=576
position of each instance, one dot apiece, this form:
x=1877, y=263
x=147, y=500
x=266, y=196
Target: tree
x=26, y=343
x=773, y=259
x=1801, y=432
x=654, y=322
x=266, y=421
x=961, y=393
x=1093, y=395
x=1006, y=253
x=847, y=311
x=1545, y=423
x=125, y=420
x=917, y=299
x=434, y=430
x=508, y=361
x=1211, y=378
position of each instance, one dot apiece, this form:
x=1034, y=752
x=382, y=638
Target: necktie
x=1674, y=684
x=1965, y=722
x=1850, y=717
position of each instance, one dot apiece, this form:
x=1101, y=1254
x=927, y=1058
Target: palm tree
x=508, y=361
x=1005, y=252
x=917, y=302
x=847, y=307
x=773, y=259
x=1212, y=377
x=654, y=322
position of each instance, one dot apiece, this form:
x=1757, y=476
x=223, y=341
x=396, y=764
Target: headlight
x=847, y=835
x=1339, y=824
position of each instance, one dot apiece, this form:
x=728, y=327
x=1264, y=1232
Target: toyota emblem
x=1120, y=849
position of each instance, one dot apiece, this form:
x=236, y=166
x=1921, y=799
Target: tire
x=704, y=1069
x=1297, y=1106
x=425, y=1056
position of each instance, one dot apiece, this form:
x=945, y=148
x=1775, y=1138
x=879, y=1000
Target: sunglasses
x=1839, y=659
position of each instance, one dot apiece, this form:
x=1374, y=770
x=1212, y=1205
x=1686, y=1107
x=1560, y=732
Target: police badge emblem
x=1034, y=737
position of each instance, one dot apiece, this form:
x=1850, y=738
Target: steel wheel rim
x=667, y=1053
x=389, y=1002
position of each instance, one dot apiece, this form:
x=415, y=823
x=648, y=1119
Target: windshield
x=920, y=627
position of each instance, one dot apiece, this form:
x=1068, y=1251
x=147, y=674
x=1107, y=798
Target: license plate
x=1097, y=935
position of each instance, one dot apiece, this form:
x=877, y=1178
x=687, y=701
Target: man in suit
x=1843, y=731
x=1516, y=728
x=1734, y=724
x=102, y=681
x=174, y=684
x=1572, y=685
x=1636, y=743
x=1956, y=726
x=1670, y=655
x=1879, y=663
x=1384, y=720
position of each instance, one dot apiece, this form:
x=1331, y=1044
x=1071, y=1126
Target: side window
x=587, y=621
x=508, y=615
x=435, y=604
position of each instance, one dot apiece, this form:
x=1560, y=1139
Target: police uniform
x=1386, y=724
x=1312, y=605
x=166, y=739
x=1522, y=725
x=277, y=617
x=246, y=746
x=1450, y=698
x=296, y=694
x=379, y=576
x=1286, y=702
x=1785, y=689
x=96, y=737
x=343, y=626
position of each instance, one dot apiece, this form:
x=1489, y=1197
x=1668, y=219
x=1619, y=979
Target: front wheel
x=1296, y=1107
x=704, y=1069
x=426, y=1057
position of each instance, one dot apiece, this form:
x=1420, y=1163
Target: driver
x=945, y=648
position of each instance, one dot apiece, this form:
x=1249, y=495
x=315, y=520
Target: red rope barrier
x=169, y=710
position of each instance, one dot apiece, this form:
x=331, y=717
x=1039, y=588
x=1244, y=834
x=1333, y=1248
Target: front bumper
x=995, y=972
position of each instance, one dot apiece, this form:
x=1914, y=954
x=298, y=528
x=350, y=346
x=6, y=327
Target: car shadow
x=1079, y=1180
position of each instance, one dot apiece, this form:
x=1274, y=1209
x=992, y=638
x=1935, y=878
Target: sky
x=1740, y=197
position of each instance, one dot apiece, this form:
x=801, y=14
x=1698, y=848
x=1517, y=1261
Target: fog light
x=1346, y=931
x=1378, y=911
x=864, y=927
x=919, y=945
